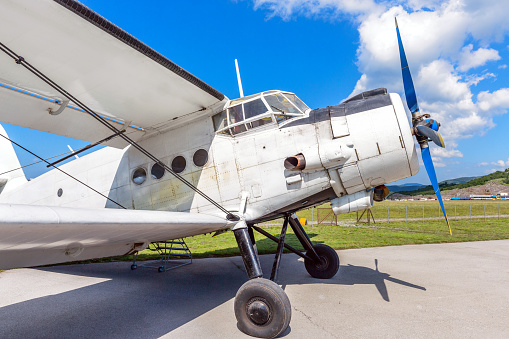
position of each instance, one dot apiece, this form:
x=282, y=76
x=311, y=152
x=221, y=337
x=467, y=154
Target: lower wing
x=42, y=235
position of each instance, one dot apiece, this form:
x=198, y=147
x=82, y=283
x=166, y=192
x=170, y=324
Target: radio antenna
x=238, y=79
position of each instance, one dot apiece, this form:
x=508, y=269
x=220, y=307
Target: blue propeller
x=424, y=129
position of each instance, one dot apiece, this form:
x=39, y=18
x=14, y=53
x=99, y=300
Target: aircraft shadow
x=144, y=303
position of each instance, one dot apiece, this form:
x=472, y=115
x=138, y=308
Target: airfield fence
x=405, y=211
x=417, y=211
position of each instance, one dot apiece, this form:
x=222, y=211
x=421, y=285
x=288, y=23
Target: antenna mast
x=238, y=79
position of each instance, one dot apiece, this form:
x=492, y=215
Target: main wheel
x=329, y=265
x=262, y=308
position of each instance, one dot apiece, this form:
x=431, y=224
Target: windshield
x=256, y=110
x=281, y=104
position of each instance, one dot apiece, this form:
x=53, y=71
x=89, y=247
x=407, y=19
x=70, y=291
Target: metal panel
x=338, y=121
x=351, y=178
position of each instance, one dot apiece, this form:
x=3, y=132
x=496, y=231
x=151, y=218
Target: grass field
x=349, y=234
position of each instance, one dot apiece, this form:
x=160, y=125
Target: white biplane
x=182, y=159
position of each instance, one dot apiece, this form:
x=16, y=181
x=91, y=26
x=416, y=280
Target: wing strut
x=74, y=153
x=21, y=61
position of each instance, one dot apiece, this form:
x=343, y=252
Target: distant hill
x=416, y=186
x=456, y=181
x=502, y=177
x=405, y=187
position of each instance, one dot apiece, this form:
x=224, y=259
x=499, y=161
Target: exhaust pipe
x=296, y=162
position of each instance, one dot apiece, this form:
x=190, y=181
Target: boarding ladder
x=174, y=253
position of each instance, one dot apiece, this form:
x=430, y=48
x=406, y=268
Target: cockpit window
x=256, y=110
x=297, y=102
x=279, y=103
x=235, y=114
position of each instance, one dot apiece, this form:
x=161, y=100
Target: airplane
x=181, y=159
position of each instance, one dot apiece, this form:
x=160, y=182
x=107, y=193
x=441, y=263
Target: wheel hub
x=258, y=311
x=323, y=264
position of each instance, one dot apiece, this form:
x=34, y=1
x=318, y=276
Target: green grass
x=350, y=234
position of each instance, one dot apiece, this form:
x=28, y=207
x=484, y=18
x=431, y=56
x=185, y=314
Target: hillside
x=488, y=184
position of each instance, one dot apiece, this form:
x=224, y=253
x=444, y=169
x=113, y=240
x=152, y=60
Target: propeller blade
x=433, y=135
x=411, y=98
x=428, y=163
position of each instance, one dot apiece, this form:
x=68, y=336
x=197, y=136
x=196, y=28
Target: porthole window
x=200, y=157
x=139, y=176
x=157, y=171
x=178, y=164
x=60, y=192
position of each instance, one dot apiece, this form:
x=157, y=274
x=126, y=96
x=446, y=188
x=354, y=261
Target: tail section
x=11, y=175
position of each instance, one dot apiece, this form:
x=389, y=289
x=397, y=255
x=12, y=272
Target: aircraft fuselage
x=348, y=148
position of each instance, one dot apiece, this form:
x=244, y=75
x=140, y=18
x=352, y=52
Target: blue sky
x=327, y=50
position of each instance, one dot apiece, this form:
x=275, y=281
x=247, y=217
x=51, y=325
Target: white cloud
x=496, y=101
x=501, y=163
x=502, y=67
x=442, y=39
x=446, y=153
x=312, y=8
x=470, y=59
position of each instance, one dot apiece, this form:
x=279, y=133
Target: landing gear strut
x=262, y=308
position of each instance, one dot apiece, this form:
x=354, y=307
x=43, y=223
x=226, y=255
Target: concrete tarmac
x=420, y=291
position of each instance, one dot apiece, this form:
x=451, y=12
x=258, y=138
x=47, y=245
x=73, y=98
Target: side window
x=254, y=108
x=220, y=121
x=235, y=115
x=178, y=164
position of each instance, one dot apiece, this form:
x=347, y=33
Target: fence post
x=423, y=214
x=388, y=220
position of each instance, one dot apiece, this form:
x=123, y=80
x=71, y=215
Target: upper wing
x=104, y=67
x=42, y=235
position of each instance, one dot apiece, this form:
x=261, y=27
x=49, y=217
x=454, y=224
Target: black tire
x=329, y=265
x=262, y=308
